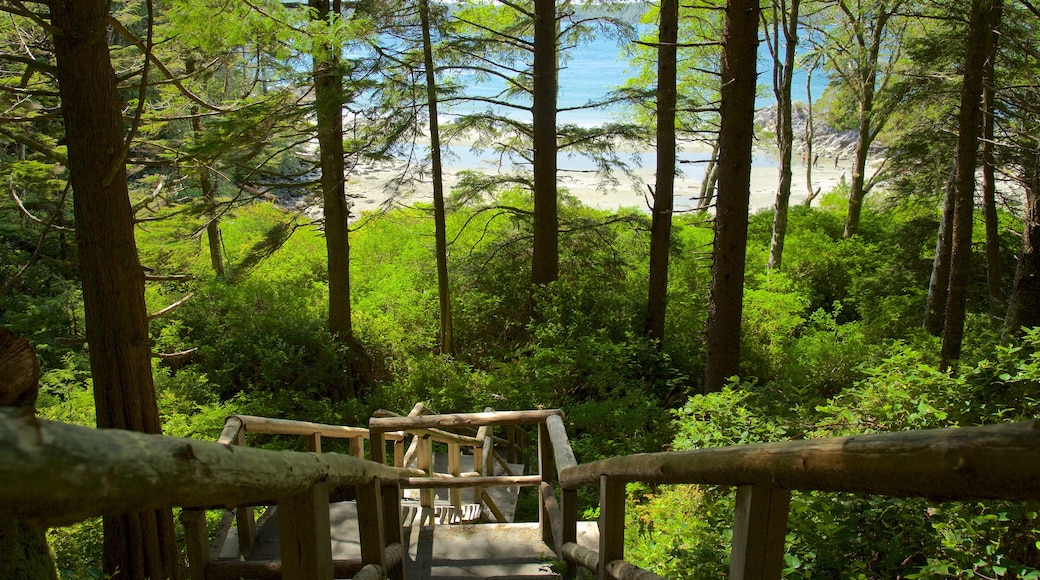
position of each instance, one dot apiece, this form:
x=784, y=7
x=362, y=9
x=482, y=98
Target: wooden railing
x=991, y=462
x=56, y=474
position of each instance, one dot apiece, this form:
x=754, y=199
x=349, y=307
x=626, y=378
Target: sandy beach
x=367, y=184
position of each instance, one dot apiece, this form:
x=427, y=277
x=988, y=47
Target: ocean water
x=594, y=69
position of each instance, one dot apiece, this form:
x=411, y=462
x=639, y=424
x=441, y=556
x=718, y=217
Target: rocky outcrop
x=827, y=141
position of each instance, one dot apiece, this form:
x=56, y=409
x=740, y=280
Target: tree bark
x=783, y=74
x=664, y=191
x=545, y=261
x=736, y=133
x=136, y=545
x=1024, y=305
x=969, y=119
x=989, y=181
x=25, y=554
x=939, y=284
x=447, y=340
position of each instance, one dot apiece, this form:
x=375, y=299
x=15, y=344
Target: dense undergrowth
x=832, y=345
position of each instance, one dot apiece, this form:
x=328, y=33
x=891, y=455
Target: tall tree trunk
x=206, y=185
x=859, y=167
x=736, y=133
x=783, y=74
x=810, y=131
x=447, y=340
x=711, y=178
x=545, y=262
x=989, y=181
x=1024, y=305
x=969, y=118
x=664, y=191
x=939, y=284
x=141, y=544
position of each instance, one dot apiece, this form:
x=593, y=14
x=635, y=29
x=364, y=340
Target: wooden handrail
x=494, y=419
x=993, y=462
x=55, y=473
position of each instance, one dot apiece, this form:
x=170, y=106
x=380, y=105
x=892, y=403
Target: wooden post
x=305, y=535
x=196, y=538
x=455, y=469
x=569, y=508
x=357, y=447
x=547, y=469
x=312, y=442
x=245, y=516
x=759, y=529
x=377, y=442
x=392, y=526
x=398, y=452
x=611, y=524
x=371, y=523
x=424, y=461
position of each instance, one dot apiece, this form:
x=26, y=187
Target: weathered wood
x=569, y=509
x=574, y=553
x=547, y=471
x=245, y=523
x=393, y=534
x=257, y=569
x=305, y=534
x=20, y=371
x=621, y=570
x=461, y=419
x=273, y=426
x=448, y=482
x=233, y=433
x=196, y=539
x=995, y=461
x=371, y=572
x=561, y=444
x=552, y=534
x=424, y=461
x=611, y=524
x=59, y=474
x=371, y=525
x=455, y=470
x=759, y=530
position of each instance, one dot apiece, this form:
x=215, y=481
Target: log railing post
x=305, y=534
x=455, y=469
x=377, y=444
x=392, y=525
x=371, y=523
x=569, y=509
x=196, y=539
x=357, y=447
x=312, y=442
x=611, y=524
x=424, y=461
x=759, y=530
x=547, y=469
x=245, y=516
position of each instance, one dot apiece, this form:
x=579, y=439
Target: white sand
x=367, y=186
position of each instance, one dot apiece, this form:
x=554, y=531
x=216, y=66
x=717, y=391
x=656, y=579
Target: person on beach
x=816, y=160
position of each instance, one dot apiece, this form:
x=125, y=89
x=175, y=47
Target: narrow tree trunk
x=664, y=191
x=939, y=284
x=810, y=130
x=545, y=262
x=969, y=120
x=447, y=341
x=783, y=74
x=989, y=182
x=206, y=185
x=1024, y=305
x=859, y=168
x=141, y=544
x=711, y=178
x=736, y=133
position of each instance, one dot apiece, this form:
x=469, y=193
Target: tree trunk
x=208, y=190
x=859, y=168
x=736, y=133
x=447, y=340
x=1024, y=305
x=810, y=130
x=989, y=181
x=664, y=191
x=26, y=554
x=969, y=118
x=783, y=74
x=141, y=544
x=545, y=262
x=711, y=178
x=939, y=284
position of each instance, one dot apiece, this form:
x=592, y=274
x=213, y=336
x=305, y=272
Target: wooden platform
x=497, y=551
